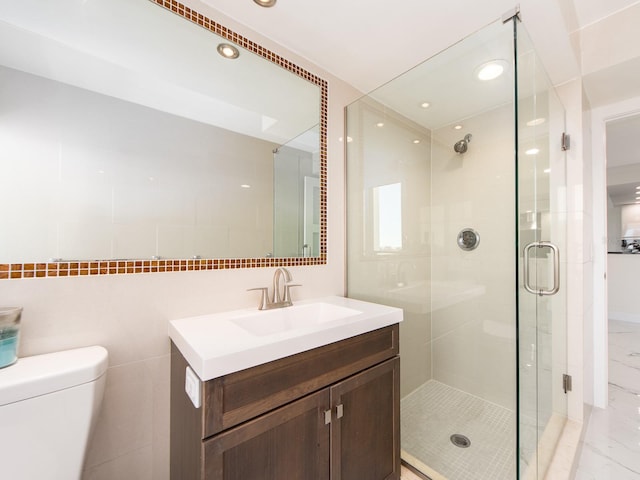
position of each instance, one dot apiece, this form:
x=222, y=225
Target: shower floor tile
x=435, y=411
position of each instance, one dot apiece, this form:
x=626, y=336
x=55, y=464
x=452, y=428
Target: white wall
x=579, y=251
x=614, y=227
x=610, y=56
x=623, y=298
x=129, y=315
x=630, y=220
x=107, y=181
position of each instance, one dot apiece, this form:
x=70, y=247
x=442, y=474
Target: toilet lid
x=41, y=374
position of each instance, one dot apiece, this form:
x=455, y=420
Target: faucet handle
x=287, y=292
x=264, y=298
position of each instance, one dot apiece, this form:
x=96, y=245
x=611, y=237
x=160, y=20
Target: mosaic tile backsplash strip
x=106, y=267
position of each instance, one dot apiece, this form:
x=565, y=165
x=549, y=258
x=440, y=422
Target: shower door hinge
x=514, y=12
x=566, y=142
x=566, y=382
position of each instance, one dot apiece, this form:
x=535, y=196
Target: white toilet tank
x=48, y=406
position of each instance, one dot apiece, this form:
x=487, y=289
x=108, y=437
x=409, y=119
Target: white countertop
x=217, y=344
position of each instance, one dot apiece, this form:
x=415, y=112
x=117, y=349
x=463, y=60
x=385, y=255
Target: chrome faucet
x=281, y=296
x=278, y=274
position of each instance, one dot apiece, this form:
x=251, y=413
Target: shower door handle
x=556, y=268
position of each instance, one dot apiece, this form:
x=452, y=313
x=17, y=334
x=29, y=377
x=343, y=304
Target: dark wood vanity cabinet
x=292, y=442
x=328, y=413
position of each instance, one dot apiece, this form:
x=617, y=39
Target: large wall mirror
x=126, y=135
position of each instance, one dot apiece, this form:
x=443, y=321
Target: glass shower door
x=541, y=178
x=432, y=229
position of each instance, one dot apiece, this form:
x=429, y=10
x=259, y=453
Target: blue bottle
x=9, y=335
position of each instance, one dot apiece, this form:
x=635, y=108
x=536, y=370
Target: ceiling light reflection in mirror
x=177, y=73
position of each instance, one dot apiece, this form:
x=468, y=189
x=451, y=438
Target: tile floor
x=435, y=411
x=611, y=446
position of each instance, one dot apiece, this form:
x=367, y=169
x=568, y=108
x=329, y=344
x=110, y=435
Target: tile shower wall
x=473, y=307
x=129, y=315
x=388, y=149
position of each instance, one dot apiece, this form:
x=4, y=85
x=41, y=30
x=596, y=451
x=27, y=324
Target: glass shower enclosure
x=456, y=213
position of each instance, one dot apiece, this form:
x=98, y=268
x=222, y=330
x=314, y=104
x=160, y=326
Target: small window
x=387, y=218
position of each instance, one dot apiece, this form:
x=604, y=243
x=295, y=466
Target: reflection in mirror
x=623, y=185
x=146, y=145
x=296, y=231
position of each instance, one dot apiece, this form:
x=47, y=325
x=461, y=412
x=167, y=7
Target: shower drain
x=460, y=440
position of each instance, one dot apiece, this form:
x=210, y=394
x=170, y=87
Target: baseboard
x=624, y=317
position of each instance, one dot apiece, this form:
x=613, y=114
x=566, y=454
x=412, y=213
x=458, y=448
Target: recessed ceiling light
x=547, y=170
x=266, y=3
x=532, y=151
x=458, y=127
x=380, y=124
x=535, y=122
x=416, y=141
x=491, y=70
x=244, y=185
x=228, y=51
x=425, y=105
x=638, y=187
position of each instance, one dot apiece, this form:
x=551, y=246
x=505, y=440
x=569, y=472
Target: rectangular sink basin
x=221, y=343
x=268, y=322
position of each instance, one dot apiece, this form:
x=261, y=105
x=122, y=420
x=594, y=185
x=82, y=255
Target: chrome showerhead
x=462, y=145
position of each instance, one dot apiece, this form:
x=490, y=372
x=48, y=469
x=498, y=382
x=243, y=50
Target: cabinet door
x=289, y=443
x=366, y=427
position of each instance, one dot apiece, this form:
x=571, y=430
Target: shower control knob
x=468, y=239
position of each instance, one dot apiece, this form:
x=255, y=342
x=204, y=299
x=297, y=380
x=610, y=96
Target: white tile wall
x=475, y=190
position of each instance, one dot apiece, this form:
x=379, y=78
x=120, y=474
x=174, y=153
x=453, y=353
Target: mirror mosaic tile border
x=113, y=267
